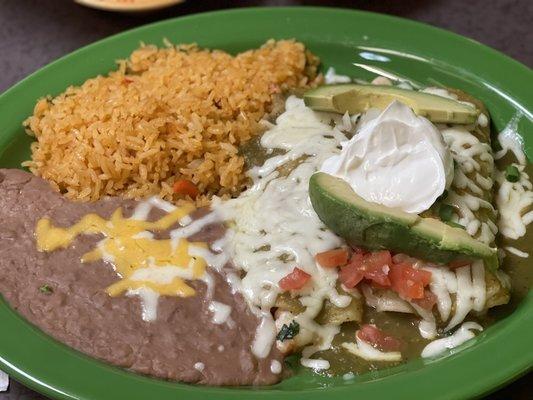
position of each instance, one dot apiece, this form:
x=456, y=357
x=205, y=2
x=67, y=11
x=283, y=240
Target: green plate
x=346, y=40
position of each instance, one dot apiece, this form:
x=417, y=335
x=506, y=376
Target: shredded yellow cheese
x=129, y=245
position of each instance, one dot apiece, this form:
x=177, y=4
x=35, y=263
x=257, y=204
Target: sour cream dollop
x=397, y=159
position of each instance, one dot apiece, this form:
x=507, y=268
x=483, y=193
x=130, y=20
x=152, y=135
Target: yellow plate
x=128, y=5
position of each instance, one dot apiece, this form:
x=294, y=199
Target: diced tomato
x=376, y=267
x=352, y=273
x=371, y=266
x=377, y=338
x=382, y=272
x=379, y=258
x=295, y=280
x=428, y=301
x=409, y=282
x=186, y=188
x=332, y=258
x=459, y=263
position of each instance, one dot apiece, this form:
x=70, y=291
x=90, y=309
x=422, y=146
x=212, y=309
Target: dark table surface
x=35, y=32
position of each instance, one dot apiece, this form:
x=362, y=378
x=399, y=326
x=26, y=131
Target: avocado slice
x=374, y=226
x=355, y=99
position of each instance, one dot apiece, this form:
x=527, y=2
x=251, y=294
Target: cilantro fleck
x=512, y=174
x=446, y=212
x=288, y=331
x=46, y=289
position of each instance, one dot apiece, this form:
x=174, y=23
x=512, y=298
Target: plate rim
x=504, y=374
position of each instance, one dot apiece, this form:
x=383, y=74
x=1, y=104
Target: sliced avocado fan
x=356, y=99
x=374, y=226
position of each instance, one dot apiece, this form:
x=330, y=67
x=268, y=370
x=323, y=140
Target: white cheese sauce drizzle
x=167, y=273
x=466, y=283
x=510, y=140
x=143, y=209
x=516, y=252
x=149, y=300
x=275, y=367
x=315, y=363
x=468, y=152
x=221, y=313
x=385, y=300
x=156, y=274
x=274, y=227
x=265, y=334
x=428, y=324
x=366, y=351
x=460, y=336
x=513, y=199
x=199, y=366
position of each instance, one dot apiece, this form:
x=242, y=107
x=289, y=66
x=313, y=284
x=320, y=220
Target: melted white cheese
x=397, y=159
x=466, y=150
x=459, y=337
x=265, y=335
x=144, y=235
x=385, y=301
x=274, y=227
x=149, y=300
x=199, y=366
x=214, y=260
x=367, y=352
x=443, y=282
x=143, y=209
x=158, y=274
x=427, y=325
x=466, y=283
x=483, y=120
x=275, y=367
x=513, y=199
x=221, y=313
x=516, y=252
x=162, y=274
x=315, y=363
x=195, y=226
x=471, y=292
x=510, y=140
